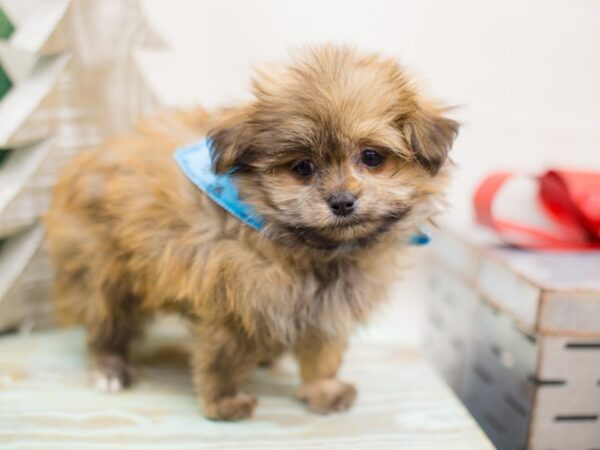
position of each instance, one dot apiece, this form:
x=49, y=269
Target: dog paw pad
x=234, y=407
x=325, y=396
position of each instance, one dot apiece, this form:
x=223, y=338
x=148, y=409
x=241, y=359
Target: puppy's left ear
x=429, y=135
x=230, y=140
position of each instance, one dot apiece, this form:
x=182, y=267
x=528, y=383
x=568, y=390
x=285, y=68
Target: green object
x=5, y=83
x=6, y=26
x=6, y=29
x=4, y=154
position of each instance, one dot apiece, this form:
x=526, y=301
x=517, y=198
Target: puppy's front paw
x=325, y=396
x=234, y=407
x=111, y=373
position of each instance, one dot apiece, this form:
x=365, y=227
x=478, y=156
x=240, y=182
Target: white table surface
x=46, y=402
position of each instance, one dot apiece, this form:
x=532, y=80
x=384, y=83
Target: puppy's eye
x=371, y=157
x=304, y=168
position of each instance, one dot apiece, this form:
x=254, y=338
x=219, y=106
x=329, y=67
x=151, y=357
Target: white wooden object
x=75, y=82
x=25, y=274
x=46, y=403
x=517, y=335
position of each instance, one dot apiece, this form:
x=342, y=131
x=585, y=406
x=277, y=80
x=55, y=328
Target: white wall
x=526, y=73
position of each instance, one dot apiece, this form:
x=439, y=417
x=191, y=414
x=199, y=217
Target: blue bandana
x=196, y=163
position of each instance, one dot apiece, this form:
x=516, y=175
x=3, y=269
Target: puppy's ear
x=230, y=139
x=429, y=135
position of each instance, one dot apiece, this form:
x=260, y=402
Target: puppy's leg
x=321, y=391
x=112, y=325
x=220, y=363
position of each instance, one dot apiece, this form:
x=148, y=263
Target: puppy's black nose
x=342, y=204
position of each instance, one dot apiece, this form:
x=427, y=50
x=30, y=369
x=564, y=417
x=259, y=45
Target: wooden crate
x=517, y=336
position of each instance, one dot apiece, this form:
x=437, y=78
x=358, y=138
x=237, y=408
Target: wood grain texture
x=45, y=403
x=554, y=293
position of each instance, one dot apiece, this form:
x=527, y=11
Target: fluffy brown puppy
x=342, y=158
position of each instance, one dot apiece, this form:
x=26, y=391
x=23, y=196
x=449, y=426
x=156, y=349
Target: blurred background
x=525, y=76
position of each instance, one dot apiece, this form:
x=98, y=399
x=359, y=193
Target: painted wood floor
x=46, y=403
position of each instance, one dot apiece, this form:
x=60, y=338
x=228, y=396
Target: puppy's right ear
x=430, y=135
x=230, y=140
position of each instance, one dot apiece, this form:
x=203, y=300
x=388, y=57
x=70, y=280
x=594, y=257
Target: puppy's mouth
x=349, y=222
x=349, y=233
x=358, y=222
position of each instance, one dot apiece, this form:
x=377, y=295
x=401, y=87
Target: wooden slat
x=450, y=326
x=25, y=296
x=17, y=127
x=24, y=193
x=507, y=291
x=567, y=413
x=544, y=292
x=42, y=32
x=45, y=403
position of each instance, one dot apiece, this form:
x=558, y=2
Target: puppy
x=338, y=154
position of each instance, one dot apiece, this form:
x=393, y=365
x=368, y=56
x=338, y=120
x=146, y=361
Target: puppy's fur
x=130, y=236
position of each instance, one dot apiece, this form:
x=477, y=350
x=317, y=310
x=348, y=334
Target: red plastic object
x=570, y=199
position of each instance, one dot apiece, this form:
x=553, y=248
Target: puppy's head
x=336, y=150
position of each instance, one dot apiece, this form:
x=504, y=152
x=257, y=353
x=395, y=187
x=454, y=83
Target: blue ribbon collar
x=195, y=162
